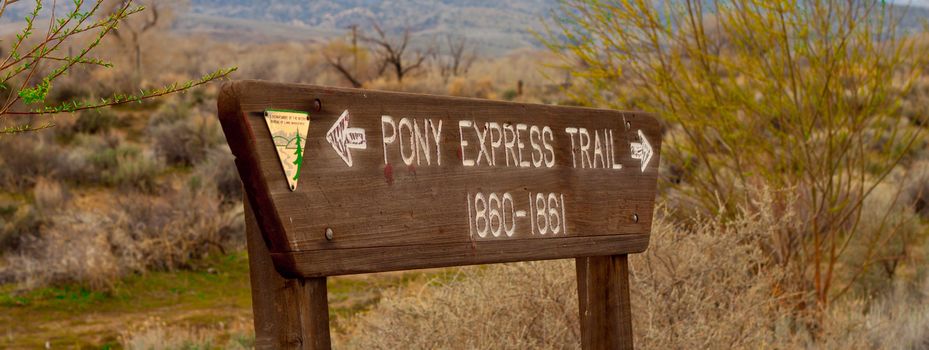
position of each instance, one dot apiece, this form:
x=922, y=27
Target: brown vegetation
x=709, y=285
x=125, y=234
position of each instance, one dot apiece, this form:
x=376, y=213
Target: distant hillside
x=496, y=26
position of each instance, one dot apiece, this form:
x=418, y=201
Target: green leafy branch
x=24, y=61
x=119, y=99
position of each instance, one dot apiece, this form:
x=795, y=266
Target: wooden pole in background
x=289, y=313
x=603, y=302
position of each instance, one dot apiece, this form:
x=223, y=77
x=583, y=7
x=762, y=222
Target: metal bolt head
x=317, y=105
x=329, y=233
x=635, y=217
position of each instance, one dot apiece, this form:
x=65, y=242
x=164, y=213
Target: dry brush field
x=123, y=227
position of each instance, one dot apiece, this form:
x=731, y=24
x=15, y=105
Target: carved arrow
x=344, y=138
x=642, y=150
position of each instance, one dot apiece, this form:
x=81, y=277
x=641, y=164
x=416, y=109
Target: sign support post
x=603, y=302
x=289, y=313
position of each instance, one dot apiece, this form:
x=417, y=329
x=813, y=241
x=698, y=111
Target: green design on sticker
x=299, y=153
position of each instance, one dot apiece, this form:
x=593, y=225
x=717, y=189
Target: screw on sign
x=415, y=181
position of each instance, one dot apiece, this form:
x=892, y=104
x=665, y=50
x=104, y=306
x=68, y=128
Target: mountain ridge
x=493, y=26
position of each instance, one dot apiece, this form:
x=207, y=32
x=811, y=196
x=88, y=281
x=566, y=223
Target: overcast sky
x=924, y=3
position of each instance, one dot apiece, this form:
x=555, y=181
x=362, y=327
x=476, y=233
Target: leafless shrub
x=185, y=141
x=136, y=170
x=109, y=161
x=173, y=110
x=75, y=250
x=95, y=121
x=49, y=196
x=23, y=220
x=529, y=305
x=455, y=57
x=24, y=159
x=218, y=170
x=78, y=164
x=138, y=233
x=22, y=224
x=169, y=232
x=126, y=166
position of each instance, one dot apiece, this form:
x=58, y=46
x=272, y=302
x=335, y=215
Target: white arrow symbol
x=344, y=138
x=642, y=151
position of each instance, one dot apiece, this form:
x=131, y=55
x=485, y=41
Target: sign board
x=394, y=181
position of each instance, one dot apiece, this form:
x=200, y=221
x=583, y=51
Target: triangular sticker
x=288, y=131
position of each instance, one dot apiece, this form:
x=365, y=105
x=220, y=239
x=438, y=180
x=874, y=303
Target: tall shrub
x=786, y=94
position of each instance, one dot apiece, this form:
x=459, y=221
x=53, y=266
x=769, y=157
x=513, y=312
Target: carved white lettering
x=495, y=143
x=584, y=138
x=404, y=122
x=598, y=151
x=481, y=137
x=547, y=139
x=462, y=124
x=422, y=143
x=496, y=215
x=387, y=120
x=510, y=144
x=535, y=140
x=437, y=136
x=593, y=148
x=520, y=145
x=571, y=132
x=612, y=147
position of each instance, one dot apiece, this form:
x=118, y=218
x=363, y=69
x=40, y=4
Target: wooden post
x=289, y=313
x=603, y=300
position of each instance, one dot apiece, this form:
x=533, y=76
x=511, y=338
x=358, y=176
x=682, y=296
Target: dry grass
x=916, y=189
x=515, y=306
x=155, y=334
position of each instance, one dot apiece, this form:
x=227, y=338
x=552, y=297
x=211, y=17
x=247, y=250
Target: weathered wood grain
x=603, y=302
x=396, y=216
x=289, y=313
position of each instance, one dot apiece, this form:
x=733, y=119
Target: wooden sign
x=342, y=181
x=394, y=181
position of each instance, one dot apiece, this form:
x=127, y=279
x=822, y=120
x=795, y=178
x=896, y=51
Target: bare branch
x=392, y=51
x=337, y=64
x=458, y=57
